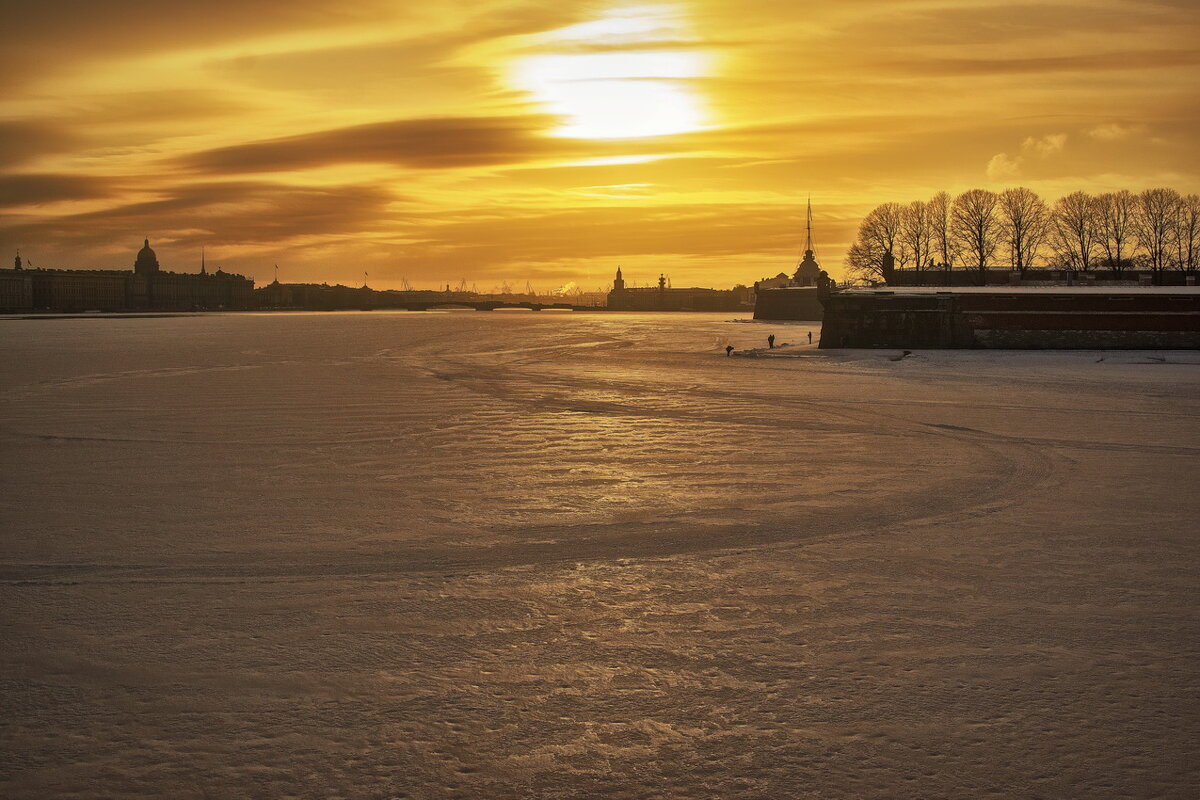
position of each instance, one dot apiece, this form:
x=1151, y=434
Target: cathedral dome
x=147, y=261
x=807, y=270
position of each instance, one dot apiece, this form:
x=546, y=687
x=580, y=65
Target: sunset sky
x=501, y=140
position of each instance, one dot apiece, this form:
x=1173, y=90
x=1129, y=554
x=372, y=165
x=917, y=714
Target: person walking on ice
x=771, y=341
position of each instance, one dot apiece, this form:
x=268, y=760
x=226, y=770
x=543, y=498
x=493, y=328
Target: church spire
x=808, y=269
x=808, y=243
x=203, y=269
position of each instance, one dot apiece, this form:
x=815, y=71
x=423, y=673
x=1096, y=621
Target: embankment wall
x=792, y=303
x=1100, y=320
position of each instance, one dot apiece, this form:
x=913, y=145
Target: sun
x=617, y=78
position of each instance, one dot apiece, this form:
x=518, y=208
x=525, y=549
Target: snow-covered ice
x=584, y=555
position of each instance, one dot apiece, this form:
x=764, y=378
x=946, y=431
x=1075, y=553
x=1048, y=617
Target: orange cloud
x=401, y=136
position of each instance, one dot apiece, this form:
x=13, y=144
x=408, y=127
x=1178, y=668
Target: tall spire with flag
x=808, y=244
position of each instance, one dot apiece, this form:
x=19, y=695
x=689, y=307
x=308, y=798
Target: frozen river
x=519, y=555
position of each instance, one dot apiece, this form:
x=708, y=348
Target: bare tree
x=883, y=225
x=1074, y=231
x=1115, y=211
x=916, y=233
x=865, y=260
x=1025, y=220
x=975, y=224
x=939, y=220
x=880, y=232
x=1159, y=225
x=1156, y=222
x=1187, y=239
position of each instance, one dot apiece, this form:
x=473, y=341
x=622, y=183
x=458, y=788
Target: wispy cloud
x=37, y=189
x=422, y=143
x=398, y=132
x=1116, y=131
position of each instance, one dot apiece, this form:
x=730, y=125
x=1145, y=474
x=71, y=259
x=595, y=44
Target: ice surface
x=1100, y=289
x=528, y=555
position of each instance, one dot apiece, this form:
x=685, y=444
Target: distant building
x=16, y=290
x=793, y=298
x=80, y=290
x=316, y=297
x=275, y=295
x=146, y=288
x=780, y=280
x=807, y=271
x=664, y=298
x=147, y=262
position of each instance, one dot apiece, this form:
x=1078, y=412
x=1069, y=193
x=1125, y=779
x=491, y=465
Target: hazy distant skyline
x=513, y=141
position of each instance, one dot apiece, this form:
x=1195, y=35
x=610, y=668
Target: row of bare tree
x=1158, y=229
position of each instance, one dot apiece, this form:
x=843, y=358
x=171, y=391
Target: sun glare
x=615, y=79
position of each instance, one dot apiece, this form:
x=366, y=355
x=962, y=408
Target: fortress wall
x=798, y=303
x=1007, y=277
x=1012, y=321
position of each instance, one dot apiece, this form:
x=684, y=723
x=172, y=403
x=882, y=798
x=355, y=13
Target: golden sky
x=504, y=140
